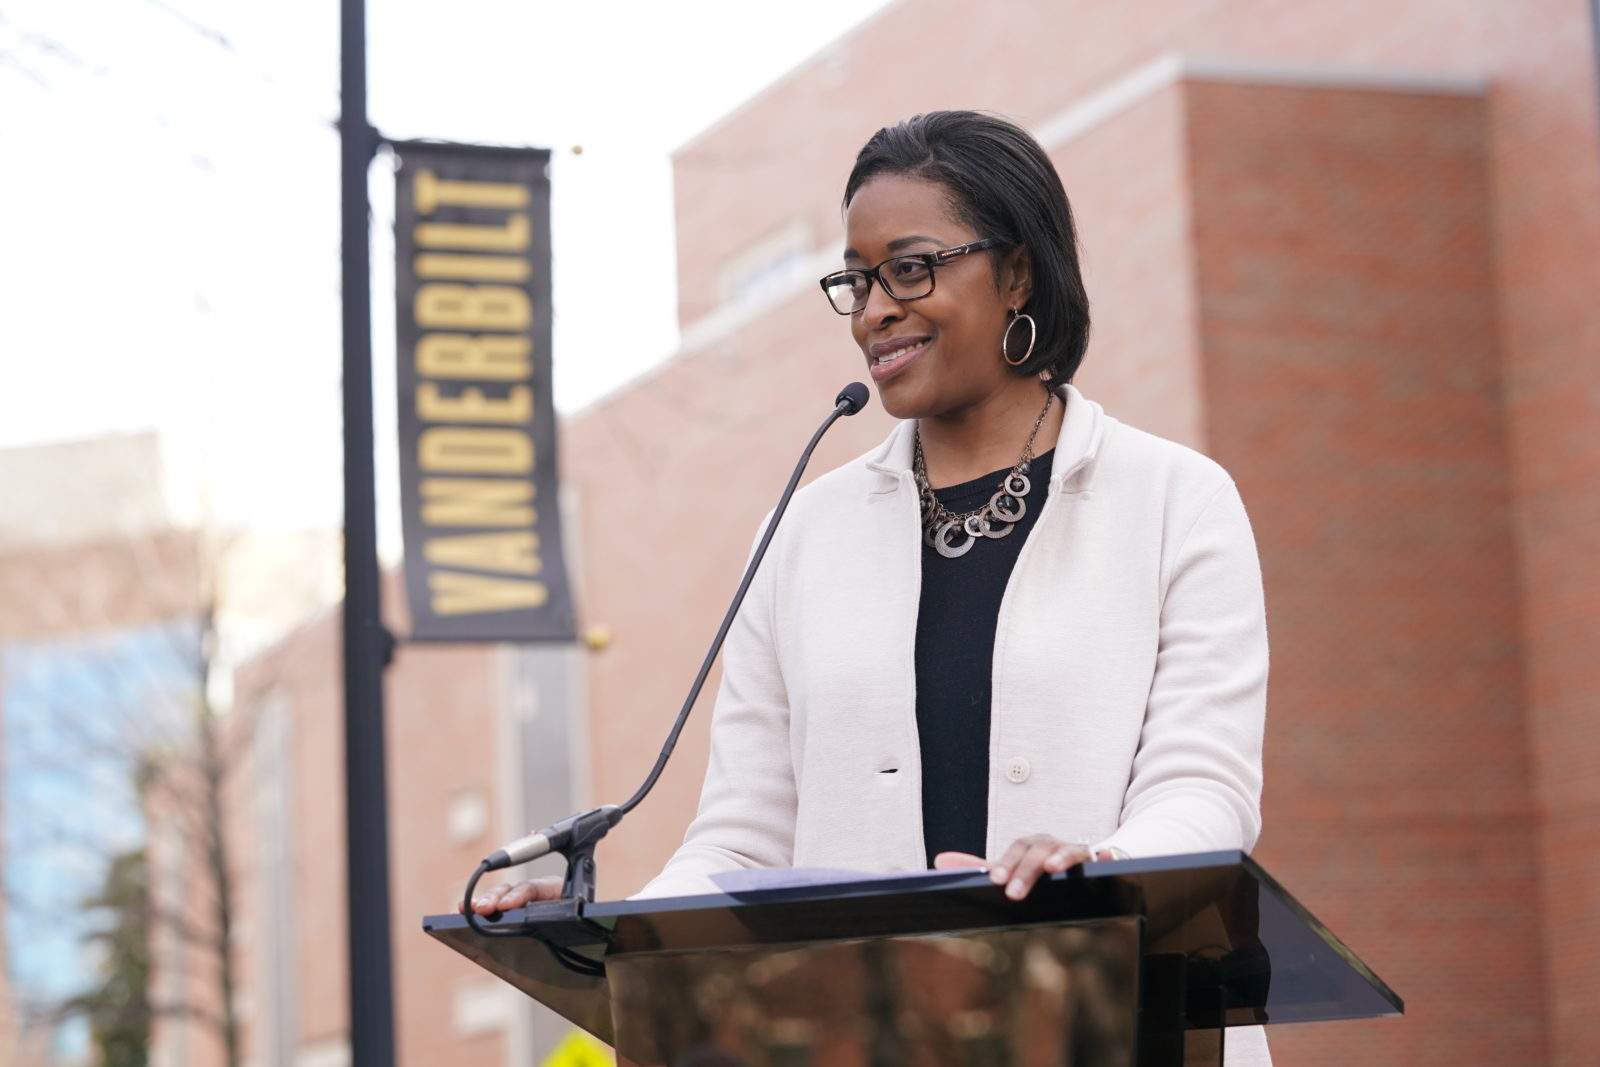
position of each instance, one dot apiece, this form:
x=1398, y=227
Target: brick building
x=90, y=567
x=1347, y=248
x=103, y=589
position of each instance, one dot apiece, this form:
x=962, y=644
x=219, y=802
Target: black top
x=956, y=620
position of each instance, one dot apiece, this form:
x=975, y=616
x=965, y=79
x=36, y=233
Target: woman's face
x=937, y=356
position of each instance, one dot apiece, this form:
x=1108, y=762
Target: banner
x=483, y=557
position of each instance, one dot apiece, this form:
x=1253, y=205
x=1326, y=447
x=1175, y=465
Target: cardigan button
x=1017, y=769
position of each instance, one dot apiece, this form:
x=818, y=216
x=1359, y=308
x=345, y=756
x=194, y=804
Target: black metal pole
x=366, y=643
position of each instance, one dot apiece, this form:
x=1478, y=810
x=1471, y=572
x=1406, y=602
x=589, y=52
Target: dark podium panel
x=1141, y=962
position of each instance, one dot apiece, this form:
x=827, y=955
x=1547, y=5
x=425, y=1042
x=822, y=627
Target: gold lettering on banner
x=455, y=593
x=513, y=552
x=514, y=236
x=469, y=450
x=471, y=405
x=474, y=396
x=486, y=358
x=473, y=307
x=477, y=502
x=429, y=193
x=472, y=268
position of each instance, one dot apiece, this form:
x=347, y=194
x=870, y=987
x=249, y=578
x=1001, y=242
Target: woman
x=1016, y=632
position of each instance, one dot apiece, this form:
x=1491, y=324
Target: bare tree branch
x=216, y=37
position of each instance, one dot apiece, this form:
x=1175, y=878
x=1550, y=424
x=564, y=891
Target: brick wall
x=1352, y=385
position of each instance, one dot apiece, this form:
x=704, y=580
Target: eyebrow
x=899, y=243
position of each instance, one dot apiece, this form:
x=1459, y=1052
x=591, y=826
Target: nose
x=881, y=308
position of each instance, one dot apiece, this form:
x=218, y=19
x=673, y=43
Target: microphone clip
x=578, y=835
x=559, y=924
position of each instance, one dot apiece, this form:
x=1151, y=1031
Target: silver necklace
x=954, y=535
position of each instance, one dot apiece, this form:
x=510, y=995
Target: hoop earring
x=1005, y=340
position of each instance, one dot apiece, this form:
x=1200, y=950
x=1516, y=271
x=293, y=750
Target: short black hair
x=1002, y=185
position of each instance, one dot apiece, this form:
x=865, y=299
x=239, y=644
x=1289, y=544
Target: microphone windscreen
x=854, y=394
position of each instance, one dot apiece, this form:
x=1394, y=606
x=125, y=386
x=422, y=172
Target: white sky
x=169, y=203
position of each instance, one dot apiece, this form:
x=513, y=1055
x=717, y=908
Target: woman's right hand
x=506, y=896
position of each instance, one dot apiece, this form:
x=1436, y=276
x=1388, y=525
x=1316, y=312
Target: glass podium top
x=1242, y=948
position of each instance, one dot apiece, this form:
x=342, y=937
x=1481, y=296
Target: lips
x=885, y=359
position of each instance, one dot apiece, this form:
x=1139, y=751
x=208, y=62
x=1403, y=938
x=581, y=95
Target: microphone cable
x=595, y=823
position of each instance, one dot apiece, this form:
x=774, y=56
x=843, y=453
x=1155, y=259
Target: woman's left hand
x=1024, y=862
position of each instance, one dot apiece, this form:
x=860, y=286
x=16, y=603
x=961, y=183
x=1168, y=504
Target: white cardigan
x=1130, y=671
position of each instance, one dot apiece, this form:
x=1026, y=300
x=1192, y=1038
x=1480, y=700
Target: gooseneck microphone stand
x=576, y=836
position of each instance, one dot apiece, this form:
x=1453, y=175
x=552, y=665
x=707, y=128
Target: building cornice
x=1067, y=125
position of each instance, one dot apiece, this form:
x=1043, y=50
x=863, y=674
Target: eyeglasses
x=902, y=277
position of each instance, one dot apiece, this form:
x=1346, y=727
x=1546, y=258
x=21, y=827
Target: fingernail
x=998, y=875
x=1015, y=890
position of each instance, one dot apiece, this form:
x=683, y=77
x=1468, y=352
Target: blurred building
x=105, y=592
x=480, y=746
x=92, y=572
x=71, y=492
x=1347, y=248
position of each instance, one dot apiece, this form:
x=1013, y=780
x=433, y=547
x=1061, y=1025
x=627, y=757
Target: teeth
x=897, y=353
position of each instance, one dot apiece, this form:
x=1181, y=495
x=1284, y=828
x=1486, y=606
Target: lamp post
x=367, y=644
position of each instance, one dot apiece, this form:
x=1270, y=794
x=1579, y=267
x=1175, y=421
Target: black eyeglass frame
x=932, y=259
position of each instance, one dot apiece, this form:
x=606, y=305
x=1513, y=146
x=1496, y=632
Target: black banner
x=484, y=559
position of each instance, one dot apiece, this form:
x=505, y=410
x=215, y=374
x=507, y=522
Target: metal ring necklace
x=954, y=535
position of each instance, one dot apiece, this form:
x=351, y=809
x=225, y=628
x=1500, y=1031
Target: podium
x=1147, y=963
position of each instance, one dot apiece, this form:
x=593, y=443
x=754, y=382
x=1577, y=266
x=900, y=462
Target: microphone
x=575, y=836
x=552, y=838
